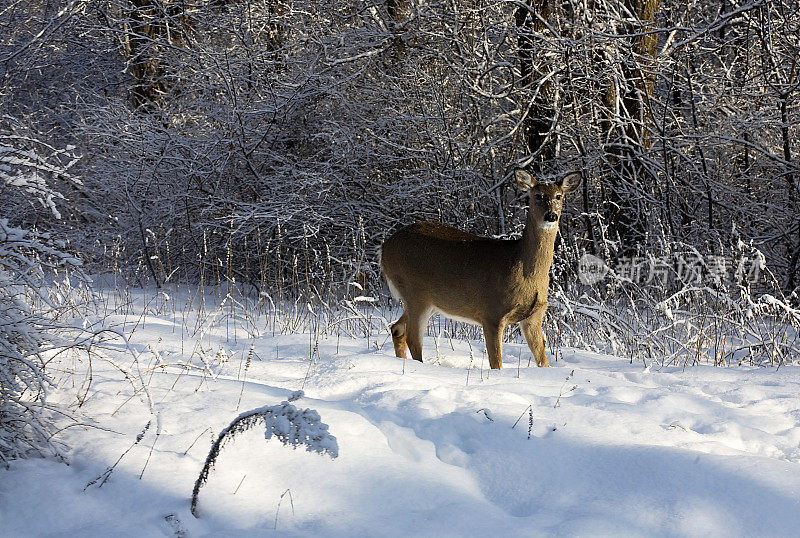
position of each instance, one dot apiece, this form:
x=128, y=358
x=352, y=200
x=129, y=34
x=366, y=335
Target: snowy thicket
x=278, y=144
x=27, y=308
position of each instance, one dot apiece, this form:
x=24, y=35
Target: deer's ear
x=571, y=181
x=524, y=179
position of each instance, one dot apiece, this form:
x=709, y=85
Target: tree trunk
x=536, y=76
x=626, y=128
x=151, y=21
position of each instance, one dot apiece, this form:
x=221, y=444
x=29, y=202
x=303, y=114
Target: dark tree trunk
x=539, y=120
x=151, y=22
x=626, y=127
x=400, y=13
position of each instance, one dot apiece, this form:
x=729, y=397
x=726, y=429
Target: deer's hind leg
x=408, y=330
x=416, y=320
x=399, y=336
x=493, y=334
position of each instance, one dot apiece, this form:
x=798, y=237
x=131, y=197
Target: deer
x=431, y=267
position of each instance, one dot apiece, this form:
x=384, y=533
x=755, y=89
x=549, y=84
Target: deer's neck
x=537, y=251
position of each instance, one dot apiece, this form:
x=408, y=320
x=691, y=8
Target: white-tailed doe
x=488, y=282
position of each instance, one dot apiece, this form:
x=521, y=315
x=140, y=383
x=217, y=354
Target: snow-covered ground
x=592, y=446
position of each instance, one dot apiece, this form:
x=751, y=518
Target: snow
x=613, y=448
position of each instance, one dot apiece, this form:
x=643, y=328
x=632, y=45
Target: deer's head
x=546, y=199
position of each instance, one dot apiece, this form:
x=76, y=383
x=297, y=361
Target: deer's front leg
x=493, y=335
x=532, y=329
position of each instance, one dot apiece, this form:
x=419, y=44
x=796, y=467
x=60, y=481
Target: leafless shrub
x=29, y=307
x=290, y=425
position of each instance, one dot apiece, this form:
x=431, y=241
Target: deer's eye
x=558, y=197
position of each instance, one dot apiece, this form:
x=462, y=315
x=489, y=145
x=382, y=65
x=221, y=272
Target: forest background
x=273, y=145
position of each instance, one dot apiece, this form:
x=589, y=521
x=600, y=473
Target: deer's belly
x=456, y=317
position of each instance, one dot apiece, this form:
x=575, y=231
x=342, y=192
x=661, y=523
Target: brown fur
x=493, y=283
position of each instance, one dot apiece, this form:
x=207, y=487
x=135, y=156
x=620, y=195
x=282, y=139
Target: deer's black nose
x=550, y=216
